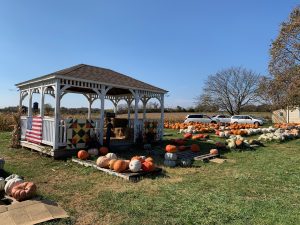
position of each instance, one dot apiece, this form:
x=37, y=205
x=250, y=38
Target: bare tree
x=231, y=89
x=282, y=87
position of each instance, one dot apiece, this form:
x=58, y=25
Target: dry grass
x=6, y=122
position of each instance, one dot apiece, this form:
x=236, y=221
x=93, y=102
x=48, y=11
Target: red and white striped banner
x=35, y=134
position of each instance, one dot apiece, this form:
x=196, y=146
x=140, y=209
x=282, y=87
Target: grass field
x=254, y=187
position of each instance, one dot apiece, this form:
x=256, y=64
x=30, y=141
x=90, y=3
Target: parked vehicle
x=221, y=119
x=201, y=118
x=246, y=119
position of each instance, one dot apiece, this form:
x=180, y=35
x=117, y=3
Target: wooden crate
x=127, y=175
x=195, y=155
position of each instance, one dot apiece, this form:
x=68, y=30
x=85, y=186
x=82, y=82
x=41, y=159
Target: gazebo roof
x=95, y=74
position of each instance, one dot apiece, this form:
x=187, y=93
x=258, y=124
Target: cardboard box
x=30, y=212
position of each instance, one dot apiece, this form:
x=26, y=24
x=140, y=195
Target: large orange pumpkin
x=82, y=154
x=23, y=191
x=148, y=166
x=103, y=150
x=171, y=148
x=195, y=148
x=111, y=164
x=120, y=166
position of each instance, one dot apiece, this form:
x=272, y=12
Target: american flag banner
x=34, y=134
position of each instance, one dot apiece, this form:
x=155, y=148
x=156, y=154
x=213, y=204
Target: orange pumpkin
x=214, y=151
x=171, y=148
x=82, y=154
x=111, y=164
x=120, y=166
x=149, y=159
x=103, y=150
x=148, y=166
x=195, y=148
x=23, y=191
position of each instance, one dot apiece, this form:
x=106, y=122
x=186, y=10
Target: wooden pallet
x=195, y=155
x=127, y=175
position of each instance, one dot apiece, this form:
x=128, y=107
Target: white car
x=221, y=119
x=246, y=119
x=201, y=118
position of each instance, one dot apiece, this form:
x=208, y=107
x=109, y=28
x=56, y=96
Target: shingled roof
x=99, y=75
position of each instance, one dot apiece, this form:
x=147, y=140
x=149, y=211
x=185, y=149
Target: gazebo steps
x=40, y=148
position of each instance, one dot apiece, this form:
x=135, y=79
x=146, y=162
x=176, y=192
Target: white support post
x=57, y=114
x=20, y=100
x=101, y=117
x=115, y=107
x=42, y=100
x=162, y=116
x=136, y=116
x=30, y=103
x=89, y=109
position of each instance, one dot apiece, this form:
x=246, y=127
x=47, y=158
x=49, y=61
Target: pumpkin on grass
x=187, y=136
x=171, y=148
x=195, y=148
x=103, y=150
x=23, y=191
x=82, y=154
x=120, y=166
x=238, y=143
x=11, y=183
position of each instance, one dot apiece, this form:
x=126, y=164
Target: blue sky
x=171, y=44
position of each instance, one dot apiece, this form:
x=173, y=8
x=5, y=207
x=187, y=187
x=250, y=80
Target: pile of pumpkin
x=171, y=156
x=15, y=186
x=192, y=127
x=287, y=125
x=136, y=164
x=238, y=142
x=83, y=154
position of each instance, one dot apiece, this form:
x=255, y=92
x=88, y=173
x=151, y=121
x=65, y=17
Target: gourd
x=82, y=154
x=170, y=163
x=2, y=162
x=93, y=151
x=148, y=166
x=170, y=156
x=111, y=156
x=103, y=162
x=195, y=148
x=119, y=166
x=12, y=177
x=135, y=165
x=2, y=184
x=185, y=162
x=111, y=163
x=171, y=148
x=103, y=150
x=23, y=191
x=214, y=151
x=10, y=184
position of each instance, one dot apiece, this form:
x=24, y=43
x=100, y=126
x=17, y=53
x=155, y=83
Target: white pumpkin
x=12, y=177
x=103, y=162
x=170, y=163
x=111, y=155
x=12, y=183
x=2, y=183
x=170, y=156
x=2, y=162
x=93, y=151
x=135, y=165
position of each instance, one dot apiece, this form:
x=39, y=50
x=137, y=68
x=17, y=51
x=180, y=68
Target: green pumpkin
x=185, y=162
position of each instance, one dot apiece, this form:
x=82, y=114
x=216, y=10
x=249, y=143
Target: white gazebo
x=94, y=83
